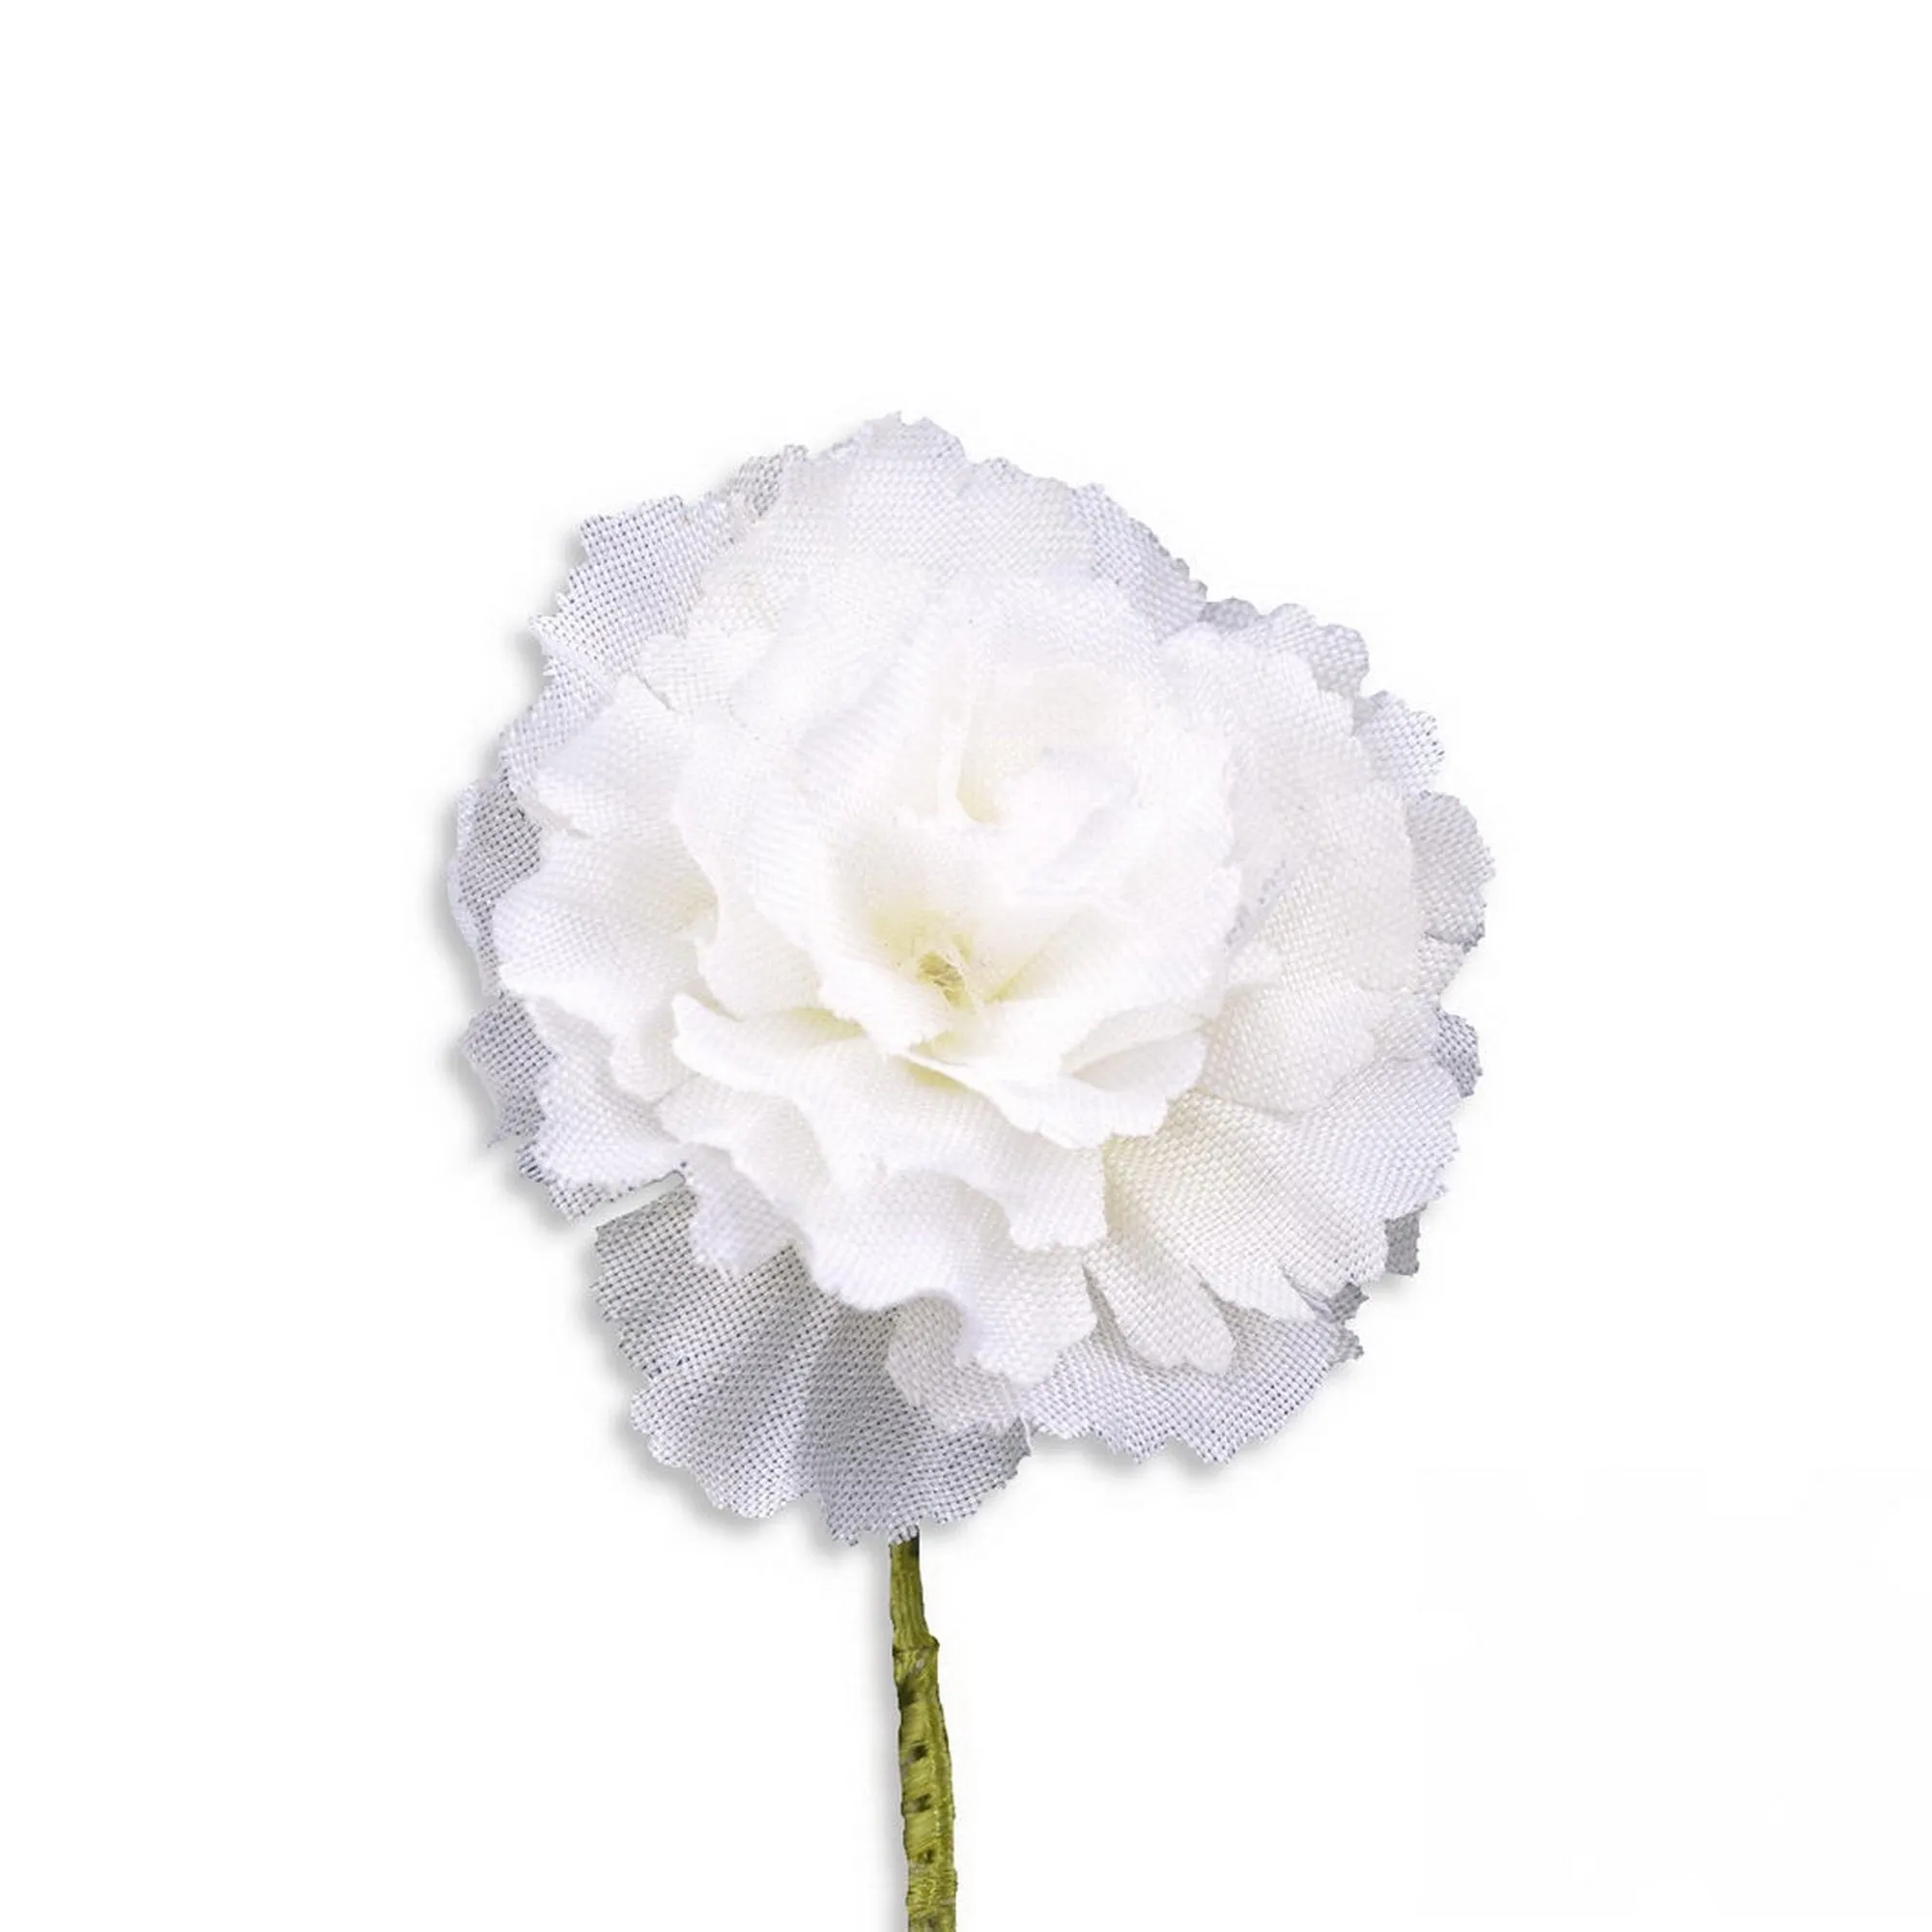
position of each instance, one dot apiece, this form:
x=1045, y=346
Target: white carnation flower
x=1030, y=969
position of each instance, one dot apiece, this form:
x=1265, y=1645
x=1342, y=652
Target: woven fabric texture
x=1014, y=977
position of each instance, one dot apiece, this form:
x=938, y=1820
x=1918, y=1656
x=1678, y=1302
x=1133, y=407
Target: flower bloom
x=1026, y=971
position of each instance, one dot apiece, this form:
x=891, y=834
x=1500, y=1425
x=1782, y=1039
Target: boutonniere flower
x=1008, y=980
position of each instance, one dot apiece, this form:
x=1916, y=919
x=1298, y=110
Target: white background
x=1578, y=355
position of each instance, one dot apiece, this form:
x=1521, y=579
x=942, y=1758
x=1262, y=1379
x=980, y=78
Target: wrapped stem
x=925, y=1760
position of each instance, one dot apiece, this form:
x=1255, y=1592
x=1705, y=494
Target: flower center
x=941, y=964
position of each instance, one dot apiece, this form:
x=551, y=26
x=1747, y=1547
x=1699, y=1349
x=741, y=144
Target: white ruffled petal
x=1375, y=1150
x=1259, y=1202
x=1335, y=656
x=922, y=1234
x=620, y=773
x=1402, y=744
x=1208, y=1202
x=766, y=1140
x=1452, y=867
x=638, y=583
x=733, y=1228
x=1101, y=1388
x=1128, y=554
x=924, y=1364
x=768, y=1390
x=1294, y=755
x=596, y=933
x=1165, y=1314
x=592, y=1133
x=1343, y=940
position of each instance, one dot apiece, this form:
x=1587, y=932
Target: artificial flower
x=1013, y=978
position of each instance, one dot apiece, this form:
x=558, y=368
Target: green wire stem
x=925, y=1759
